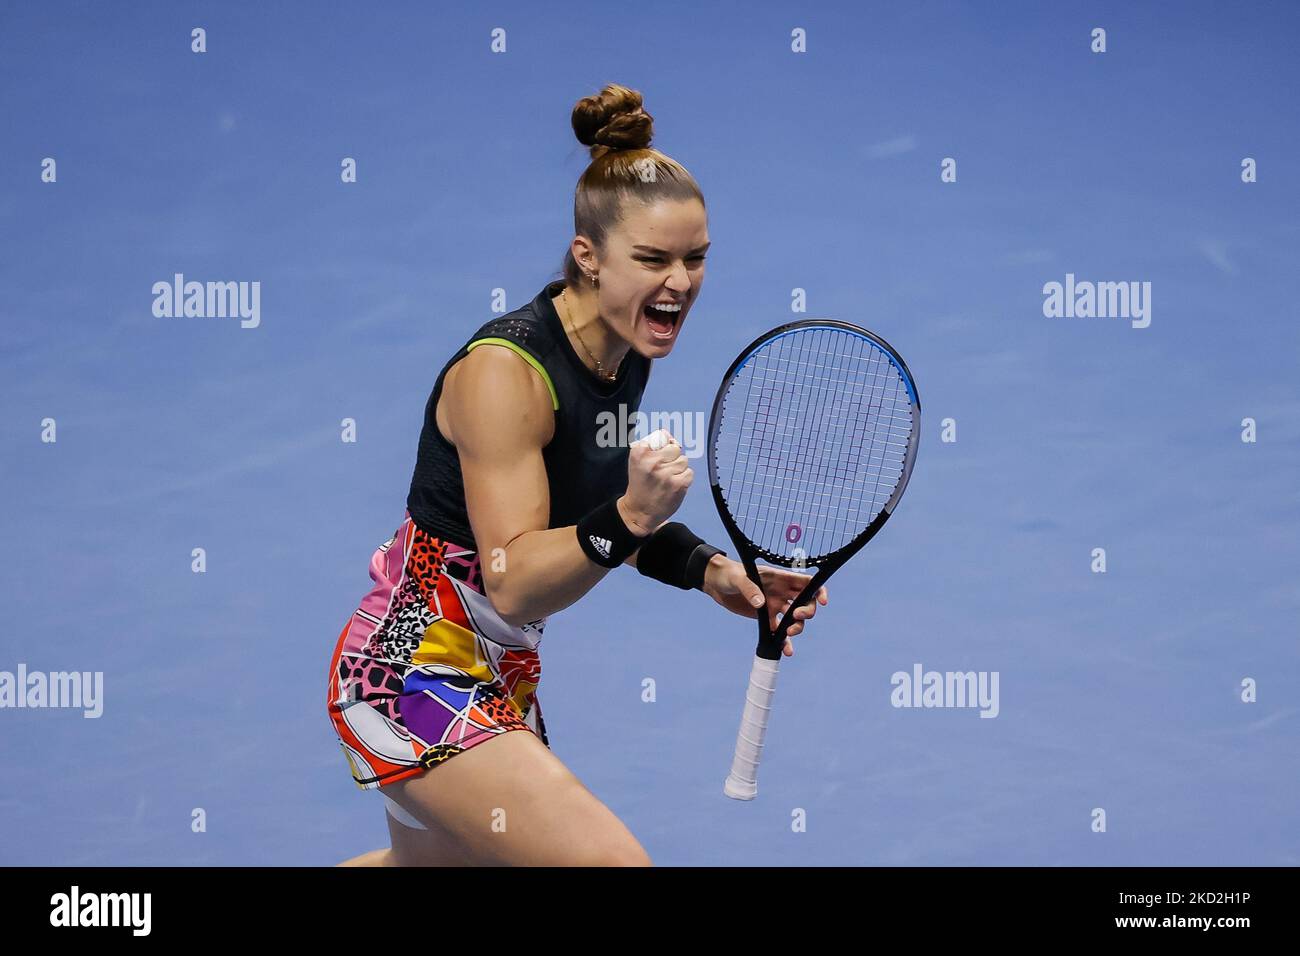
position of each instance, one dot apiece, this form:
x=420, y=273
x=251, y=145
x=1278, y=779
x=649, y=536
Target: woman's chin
x=658, y=348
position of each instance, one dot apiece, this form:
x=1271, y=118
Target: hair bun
x=612, y=119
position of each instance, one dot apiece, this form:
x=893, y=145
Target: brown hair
x=623, y=167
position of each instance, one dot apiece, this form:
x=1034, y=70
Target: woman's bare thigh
x=432, y=846
x=509, y=801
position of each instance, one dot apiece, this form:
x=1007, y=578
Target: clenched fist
x=658, y=475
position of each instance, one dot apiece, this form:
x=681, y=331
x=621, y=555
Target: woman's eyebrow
x=644, y=248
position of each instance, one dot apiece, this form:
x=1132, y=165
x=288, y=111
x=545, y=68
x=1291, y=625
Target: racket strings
x=812, y=441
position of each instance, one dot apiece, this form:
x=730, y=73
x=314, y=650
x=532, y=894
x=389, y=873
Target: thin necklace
x=600, y=369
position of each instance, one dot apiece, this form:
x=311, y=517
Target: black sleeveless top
x=580, y=473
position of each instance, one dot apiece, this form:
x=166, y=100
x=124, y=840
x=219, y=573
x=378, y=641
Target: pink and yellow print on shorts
x=426, y=668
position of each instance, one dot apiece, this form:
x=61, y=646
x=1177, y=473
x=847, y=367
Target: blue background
x=821, y=171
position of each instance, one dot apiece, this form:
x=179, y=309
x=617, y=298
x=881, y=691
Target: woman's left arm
x=727, y=583
x=631, y=558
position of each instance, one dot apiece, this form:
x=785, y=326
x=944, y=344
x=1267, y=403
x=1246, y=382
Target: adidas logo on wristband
x=604, y=537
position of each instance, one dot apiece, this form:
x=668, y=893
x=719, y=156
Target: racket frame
x=742, y=781
x=771, y=643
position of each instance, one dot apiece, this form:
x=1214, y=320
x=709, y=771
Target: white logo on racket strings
x=923, y=688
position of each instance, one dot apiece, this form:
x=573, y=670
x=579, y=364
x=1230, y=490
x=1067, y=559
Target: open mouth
x=662, y=320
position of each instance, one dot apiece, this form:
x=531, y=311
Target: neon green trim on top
x=514, y=347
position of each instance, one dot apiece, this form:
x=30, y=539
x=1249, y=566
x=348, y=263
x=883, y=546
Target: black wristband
x=676, y=556
x=605, y=538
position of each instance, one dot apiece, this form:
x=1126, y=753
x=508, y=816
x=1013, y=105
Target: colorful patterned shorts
x=425, y=668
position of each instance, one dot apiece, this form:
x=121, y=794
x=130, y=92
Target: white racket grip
x=742, y=782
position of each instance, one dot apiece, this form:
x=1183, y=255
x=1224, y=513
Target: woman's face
x=655, y=255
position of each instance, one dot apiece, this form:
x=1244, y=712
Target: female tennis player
x=517, y=509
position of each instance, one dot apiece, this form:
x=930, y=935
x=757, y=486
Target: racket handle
x=742, y=782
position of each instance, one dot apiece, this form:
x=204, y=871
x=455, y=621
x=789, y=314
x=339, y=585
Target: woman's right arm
x=500, y=418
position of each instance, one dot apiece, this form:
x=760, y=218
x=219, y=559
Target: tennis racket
x=811, y=442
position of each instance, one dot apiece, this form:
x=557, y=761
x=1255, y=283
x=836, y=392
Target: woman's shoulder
x=523, y=327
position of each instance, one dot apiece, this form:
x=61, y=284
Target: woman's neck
x=588, y=332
